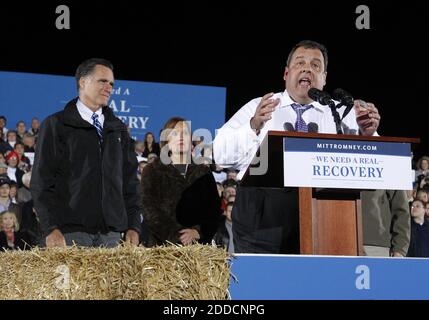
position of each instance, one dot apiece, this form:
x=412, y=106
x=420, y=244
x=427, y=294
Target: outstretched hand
x=263, y=111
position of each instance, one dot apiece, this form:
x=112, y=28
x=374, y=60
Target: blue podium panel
x=325, y=277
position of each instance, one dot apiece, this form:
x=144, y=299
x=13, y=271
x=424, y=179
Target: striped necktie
x=300, y=125
x=97, y=126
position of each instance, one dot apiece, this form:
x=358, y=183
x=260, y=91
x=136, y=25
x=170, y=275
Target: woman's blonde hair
x=14, y=218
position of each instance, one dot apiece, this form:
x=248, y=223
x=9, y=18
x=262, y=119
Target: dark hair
x=11, y=131
x=87, y=67
x=309, y=44
x=170, y=124
x=4, y=118
x=19, y=122
x=18, y=143
x=145, y=139
x=229, y=183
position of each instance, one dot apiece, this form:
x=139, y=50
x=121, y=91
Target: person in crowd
x=229, y=189
x=261, y=222
x=3, y=169
x=35, y=127
x=11, y=138
x=231, y=174
x=13, y=171
x=84, y=182
x=142, y=165
x=6, y=203
x=150, y=145
x=223, y=236
x=419, y=243
x=151, y=157
x=23, y=162
x=422, y=168
x=179, y=198
x=422, y=195
x=139, y=148
x=423, y=183
x=386, y=223
x=4, y=146
x=10, y=236
x=13, y=193
x=21, y=130
x=29, y=142
x=3, y=129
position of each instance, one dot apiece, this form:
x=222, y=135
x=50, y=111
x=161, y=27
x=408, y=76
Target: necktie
x=97, y=126
x=300, y=125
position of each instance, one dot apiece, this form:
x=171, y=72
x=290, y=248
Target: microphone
x=313, y=127
x=320, y=96
x=345, y=98
x=325, y=99
x=288, y=127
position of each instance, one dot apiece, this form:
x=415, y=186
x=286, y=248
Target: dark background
x=240, y=45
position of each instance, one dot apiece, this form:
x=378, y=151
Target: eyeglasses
x=417, y=206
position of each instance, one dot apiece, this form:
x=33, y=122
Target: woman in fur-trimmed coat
x=180, y=199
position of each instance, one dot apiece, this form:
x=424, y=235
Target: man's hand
x=367, y=117
x=55, y=239
x=188, y=236
x=263, y=112
x=132, y=236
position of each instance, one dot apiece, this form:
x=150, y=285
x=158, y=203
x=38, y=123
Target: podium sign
x=347, y=164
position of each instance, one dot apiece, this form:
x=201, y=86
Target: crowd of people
x=175, y=198
x=181, y=203
x=151, y=193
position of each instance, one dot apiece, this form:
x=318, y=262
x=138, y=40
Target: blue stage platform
x=328, y=277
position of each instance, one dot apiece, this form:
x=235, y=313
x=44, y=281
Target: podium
x=330, y=171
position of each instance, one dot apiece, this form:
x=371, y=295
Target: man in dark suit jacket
x=84, y=181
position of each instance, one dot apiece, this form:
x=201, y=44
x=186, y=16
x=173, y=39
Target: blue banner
x=318, y=277
x=143, y=106
x=347, y=146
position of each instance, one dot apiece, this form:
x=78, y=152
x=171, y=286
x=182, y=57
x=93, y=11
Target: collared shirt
x=236, y=143
x=86, y=113
x=5, y=207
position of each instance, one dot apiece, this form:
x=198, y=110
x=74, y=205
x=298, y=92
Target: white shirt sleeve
x=236, y=143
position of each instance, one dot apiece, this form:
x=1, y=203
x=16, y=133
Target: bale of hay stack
x=125, y=272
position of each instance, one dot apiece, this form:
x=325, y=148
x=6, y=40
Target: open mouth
x=305, y=82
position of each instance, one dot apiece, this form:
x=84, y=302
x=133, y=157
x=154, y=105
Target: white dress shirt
x=86, y=113
x=236, y=143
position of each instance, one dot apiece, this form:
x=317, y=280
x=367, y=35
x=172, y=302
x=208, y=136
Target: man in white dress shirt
x=266, y=220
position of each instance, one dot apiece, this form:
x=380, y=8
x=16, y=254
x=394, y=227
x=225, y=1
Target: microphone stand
x=336, y=116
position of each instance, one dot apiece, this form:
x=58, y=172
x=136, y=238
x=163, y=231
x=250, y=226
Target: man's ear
x=285, y=75
x=82, y=82
x=324, y=78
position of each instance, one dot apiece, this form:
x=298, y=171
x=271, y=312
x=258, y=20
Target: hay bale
x=125, y=272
